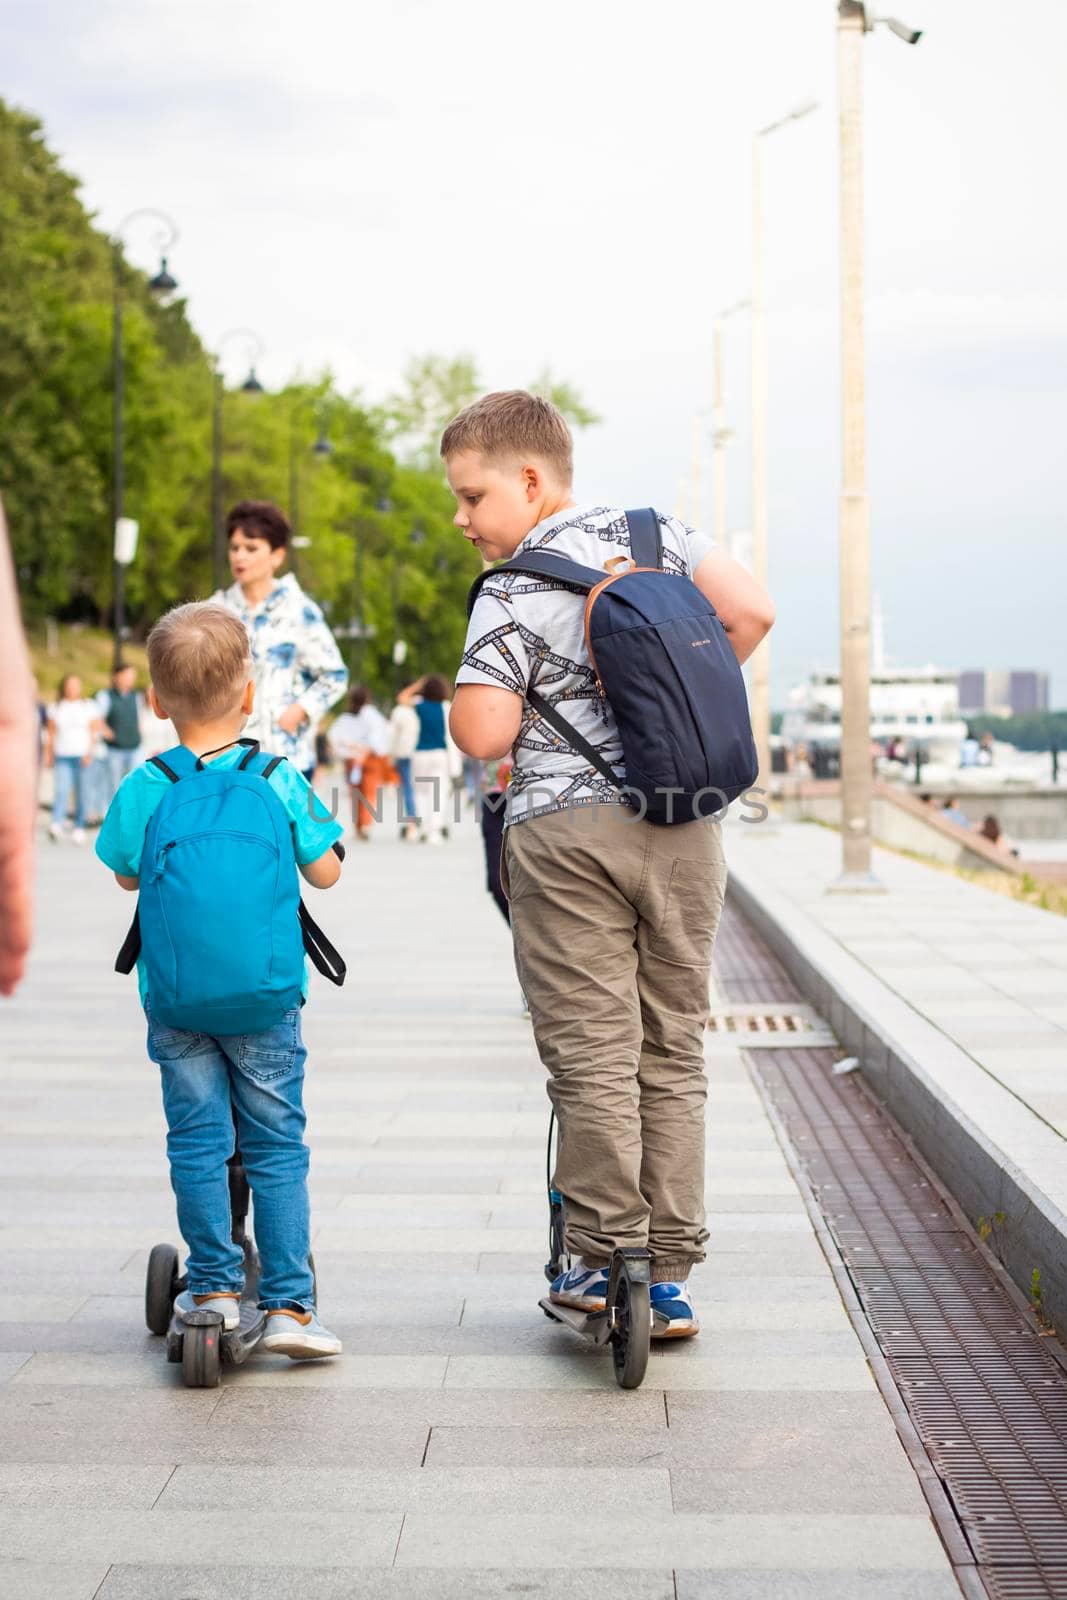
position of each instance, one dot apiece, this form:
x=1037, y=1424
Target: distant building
x=1003, y=694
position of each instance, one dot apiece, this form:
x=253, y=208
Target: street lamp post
x=760, y=669
x=720, y=433
x=853, y=22
x=163, y=284
x=251, y=385
x=416, y=537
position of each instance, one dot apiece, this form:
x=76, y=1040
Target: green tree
x=381, y=540
x=435, y=387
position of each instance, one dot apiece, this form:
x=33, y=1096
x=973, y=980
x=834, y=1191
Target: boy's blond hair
x=512, y=426
x=199, y=661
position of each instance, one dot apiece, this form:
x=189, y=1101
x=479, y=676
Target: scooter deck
x=235, y=1347
x=595, y=1325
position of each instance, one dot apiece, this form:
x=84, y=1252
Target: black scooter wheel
x=160, y=1287
x=201, y=1357
x=632, y=1334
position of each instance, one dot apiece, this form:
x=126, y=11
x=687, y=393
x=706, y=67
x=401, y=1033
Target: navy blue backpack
x=667, y=670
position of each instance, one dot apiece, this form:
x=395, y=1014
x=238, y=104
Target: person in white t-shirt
x=73, y=727
x=360, y=738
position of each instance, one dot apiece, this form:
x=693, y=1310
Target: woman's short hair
x=436, y=687
x=358, y=697
x=259, y=519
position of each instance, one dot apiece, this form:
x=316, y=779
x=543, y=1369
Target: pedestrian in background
x=74, y=725
x=404, y=736
x=435, y=758
x=298, y=670
x=360, y=738
x=122, y=708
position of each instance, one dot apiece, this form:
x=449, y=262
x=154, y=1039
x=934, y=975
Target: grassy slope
x=86, y=651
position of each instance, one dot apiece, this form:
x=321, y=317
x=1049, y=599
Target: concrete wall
x=1022, y=813
x=903, y=822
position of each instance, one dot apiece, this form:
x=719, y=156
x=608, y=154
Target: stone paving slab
x=601, y=1491
x=51, y=1580
x=815, y=1586
x=289, y=1583
x=647, y=1540
x=299, y=1539
x=438, y=1457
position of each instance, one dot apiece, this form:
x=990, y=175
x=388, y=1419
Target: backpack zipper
x=161, y=858
x=228, y=833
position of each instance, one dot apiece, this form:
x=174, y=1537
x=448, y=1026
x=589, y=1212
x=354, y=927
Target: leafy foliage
x=384, y=559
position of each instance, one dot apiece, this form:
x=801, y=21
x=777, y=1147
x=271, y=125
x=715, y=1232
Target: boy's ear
x=153, y=701
x=248, y=697
x=532, y=482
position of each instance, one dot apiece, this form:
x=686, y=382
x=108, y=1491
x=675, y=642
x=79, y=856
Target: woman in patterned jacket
x=298, y=669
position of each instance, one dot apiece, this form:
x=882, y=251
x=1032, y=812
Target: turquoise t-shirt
x=121, y=838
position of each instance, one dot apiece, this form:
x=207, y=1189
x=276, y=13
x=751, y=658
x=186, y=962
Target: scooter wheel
x=160, y=1287
x=633, y=1332
x=201, y=1357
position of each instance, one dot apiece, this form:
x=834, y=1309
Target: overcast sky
x=567, y=183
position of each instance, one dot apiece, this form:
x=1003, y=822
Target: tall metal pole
x=855, y=581
x=696, y=509
x=360, y=618
x=720, y=434
x=163, y=285
x=760, y=667
x=251, y=385
x=118, y=473
x=718, y=441
x=294, y=489
x=218, y=533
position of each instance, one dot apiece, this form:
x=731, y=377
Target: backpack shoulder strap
x=322, y=953
x=167, y=770
x=540, y=564
x=570, y=735
x=646, y=540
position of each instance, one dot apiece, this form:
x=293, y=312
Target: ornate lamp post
x=163, y=285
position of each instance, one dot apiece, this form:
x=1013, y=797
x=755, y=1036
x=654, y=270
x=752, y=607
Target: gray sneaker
x=229, y=1305
x=299, y=1335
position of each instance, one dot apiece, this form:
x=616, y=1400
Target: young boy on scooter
x=614, y=917
x=201, y=674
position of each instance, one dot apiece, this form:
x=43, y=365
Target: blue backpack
x=219, y=917
x=667, y=670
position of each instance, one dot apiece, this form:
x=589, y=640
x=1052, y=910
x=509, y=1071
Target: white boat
x=913, y=707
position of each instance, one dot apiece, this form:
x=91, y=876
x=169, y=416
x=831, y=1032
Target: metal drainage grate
x=769, y=1025
x=987, y=1398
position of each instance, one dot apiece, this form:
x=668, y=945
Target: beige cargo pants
x=614, y=921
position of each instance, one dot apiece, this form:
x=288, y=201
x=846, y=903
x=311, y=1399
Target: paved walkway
x=463, y=1446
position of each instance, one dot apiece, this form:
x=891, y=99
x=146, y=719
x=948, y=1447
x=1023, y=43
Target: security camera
x=902, y=31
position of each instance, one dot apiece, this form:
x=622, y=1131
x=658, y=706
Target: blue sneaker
x=226, y=1302
x=673, y=1315
x=299, y=1335
x=584, y=1288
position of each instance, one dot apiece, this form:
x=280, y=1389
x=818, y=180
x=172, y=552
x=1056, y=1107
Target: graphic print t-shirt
x=528, y=632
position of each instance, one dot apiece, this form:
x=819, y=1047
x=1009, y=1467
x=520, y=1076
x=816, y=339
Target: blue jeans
x=407, y=786
x=257, y=1079
x=69, y=774
x=119, y=764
